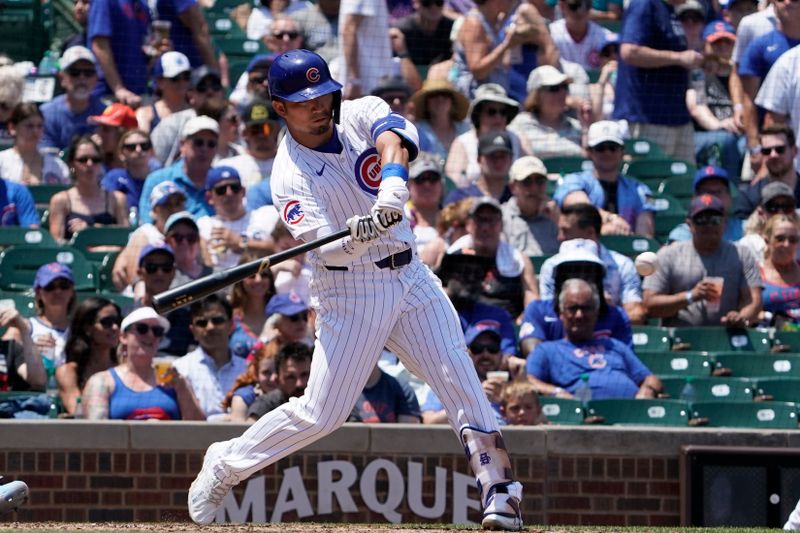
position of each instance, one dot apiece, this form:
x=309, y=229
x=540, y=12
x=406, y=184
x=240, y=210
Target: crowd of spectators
x=150, y=130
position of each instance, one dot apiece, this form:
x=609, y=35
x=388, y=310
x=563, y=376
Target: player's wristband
x=394, y=170
x=688, y=297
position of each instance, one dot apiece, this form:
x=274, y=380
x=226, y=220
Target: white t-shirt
x=257, y=225
x=54, y=170
x=780, y=92
x=251, y=170
x=39, y=328
x=374, y=48
x=587, y=52
x=751, y=27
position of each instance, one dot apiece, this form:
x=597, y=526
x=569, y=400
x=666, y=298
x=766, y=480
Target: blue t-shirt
x=483, y=312
x=385, y=401
x=614, y=371
x=259, y=195
x=156, y=404
x=196, y=202
x=242, y=339
x=17, y=207
x=633, y=197
x=179, y=34
x=247, y=393
x=652, y=95
x=126, y=24
x=119, y=179
x=541, y=322
x=61, y=124
x=763, y=52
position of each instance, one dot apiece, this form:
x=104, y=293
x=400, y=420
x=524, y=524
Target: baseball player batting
x=345, y=164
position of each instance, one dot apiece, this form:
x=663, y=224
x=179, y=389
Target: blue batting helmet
x=300, y=75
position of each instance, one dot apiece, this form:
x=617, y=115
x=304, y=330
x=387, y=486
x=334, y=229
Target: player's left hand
x=362, y=229
x=385, y=218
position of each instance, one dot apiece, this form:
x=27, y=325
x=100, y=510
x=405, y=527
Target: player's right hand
x=362, y=229
x=385, y=218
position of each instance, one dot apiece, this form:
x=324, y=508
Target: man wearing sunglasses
x=682, y=292
x=67, y=115
x=199, y=140
x=713, y=181
x=233, y=229
x=606, y=188
x=211, y=368
x=555, y=367
x=780, y=95
x=427, y=32
x=779, y=151
x=261, y=127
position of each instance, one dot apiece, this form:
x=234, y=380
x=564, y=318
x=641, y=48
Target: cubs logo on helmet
x=293, y=213
x=368, y=171
x=312, y=75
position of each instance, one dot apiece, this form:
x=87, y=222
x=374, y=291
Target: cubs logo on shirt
x=368, y=171
x=293, y=213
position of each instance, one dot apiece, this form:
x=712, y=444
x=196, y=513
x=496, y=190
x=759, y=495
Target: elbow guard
x=401, y=127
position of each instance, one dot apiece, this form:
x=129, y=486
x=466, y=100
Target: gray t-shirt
x=531, y=236
x=680, y=268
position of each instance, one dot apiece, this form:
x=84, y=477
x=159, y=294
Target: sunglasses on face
x=792, y=239
x=221, y=190
x=143, y=329
x=152, y=268
x=208, y=87
x=780, y=149
x=260, y=129
x=190, y=238
x=573, y=309
x=215, y=320
x=773, y=208
x=143, y=146
x=691, y=20
x=184, y=76
x=258, y=80
x=429, y=3
x=707, y=220
x=211, y=144
x=61, y=285
x=86, y=158
x=283, y=34
x=574, y=7
x=428, y=177
x=555, y=88
x=81, y=72
x=233, y=119
x=493, y=111
x=390, y=98
x=109, y=322
x=607, y=147
x=297, y=317
x=480, y=347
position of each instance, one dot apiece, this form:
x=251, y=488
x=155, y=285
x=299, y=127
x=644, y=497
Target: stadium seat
x=240, y=47
x=22, y=302
x=106, y=238
x=679, y=364
x=720, y=339
x=712, y=389
x=778, y=389
x=538, y=261
x=651, y=412
x=15, y=236
x=125, y=303
x=18, y=266
x=757, y=365
x=662, y=168
x=566, y=164
x=220, y=26
x=643, y=148
x=104, y=269
x=42, y=193
x=761, y=415
x=681, y=188
x=561, y=410
x=786, y=341
x=630, y=245
x=236, y=67
x=666, y=203
x=651, y=338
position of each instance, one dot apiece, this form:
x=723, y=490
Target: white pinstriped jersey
x=313, y=189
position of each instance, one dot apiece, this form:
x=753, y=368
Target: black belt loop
x=393, y=262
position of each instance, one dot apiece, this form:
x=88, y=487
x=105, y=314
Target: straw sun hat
x=460, y=102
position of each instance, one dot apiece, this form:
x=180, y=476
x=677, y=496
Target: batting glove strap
x=385, y=218
x=363, y=229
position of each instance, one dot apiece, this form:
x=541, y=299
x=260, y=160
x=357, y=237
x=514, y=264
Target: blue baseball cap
x=710, y=172
x=705, y=202
x=162, y=191
x=286, y=304
x=152, y=248
x=483, y=326
x=263, y=61
x=51, y=272
x=719, y=29
x=218, y=174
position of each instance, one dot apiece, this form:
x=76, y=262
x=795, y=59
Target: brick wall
x=141, y=472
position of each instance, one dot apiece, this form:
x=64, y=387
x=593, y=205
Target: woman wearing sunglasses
x=777, y=198
x=172, y=74
x=287, y=319
x=249, y=298
x=91, y=347
x=780, y=273
x=85, y=204
x=129, y=390
x=24, y=162
x=182, y=235
x=136, y=154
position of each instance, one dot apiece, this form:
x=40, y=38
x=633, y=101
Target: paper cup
x=161, y=367
x=161, y=28
x=501, y=375
x=712, y=303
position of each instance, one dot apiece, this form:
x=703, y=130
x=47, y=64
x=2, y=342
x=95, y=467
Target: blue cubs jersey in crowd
x=542, y=322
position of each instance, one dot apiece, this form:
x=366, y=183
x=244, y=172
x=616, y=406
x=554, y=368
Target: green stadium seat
x=651, y=338
x=538, y=261
x=760, y=415
x=650, y=412
x=26, y=29
x=757, y=365
x=226, y=6
x=786, y=341
x=779, y=389
x=15, y=236
x=108, y=238
x=240, y=47
x=681, y=188
x=666, y=203
x=630, y=245
x=562, y=410
x=611, y=25
x=236, y=67
x=18, y=266
x=679, y=364
x=662, y=168
x=42, y=193
x=105, y=267
x=566, y=164
x=643, y=148
x=719, y=339
x=220, y=26
x=125, y=303
x=594, y=75
x=712, y=389
x=23, y=302
x=666, y=223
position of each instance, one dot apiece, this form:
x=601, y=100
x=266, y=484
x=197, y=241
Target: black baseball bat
x=200, y=288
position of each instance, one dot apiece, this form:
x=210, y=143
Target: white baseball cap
x=142, y=314
x=545, y=76
x=172, y=64
x=526, y=166
x=605, y=131
x=578, y=251
x=73, y=54
x=198, y=124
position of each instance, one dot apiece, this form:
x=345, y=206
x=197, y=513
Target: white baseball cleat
x=12, y=495
x=502, y=511
x=210, y=486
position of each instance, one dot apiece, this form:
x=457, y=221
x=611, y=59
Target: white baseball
x=646, y=263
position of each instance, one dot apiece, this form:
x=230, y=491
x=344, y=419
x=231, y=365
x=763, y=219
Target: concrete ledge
x=65, y=434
